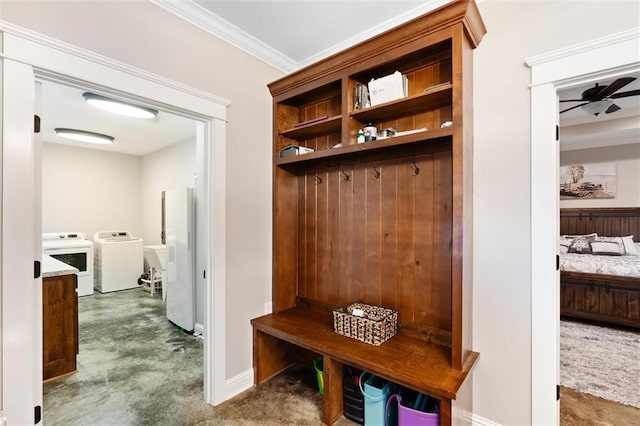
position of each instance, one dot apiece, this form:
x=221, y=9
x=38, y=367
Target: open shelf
x=344, y=152
x=416, y=104
x=308, y=131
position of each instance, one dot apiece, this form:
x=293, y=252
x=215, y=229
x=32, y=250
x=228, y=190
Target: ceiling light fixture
x=597, y=107
x=119, y=107
x=84, y=136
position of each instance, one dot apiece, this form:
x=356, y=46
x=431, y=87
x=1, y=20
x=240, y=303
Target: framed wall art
x=594, y=180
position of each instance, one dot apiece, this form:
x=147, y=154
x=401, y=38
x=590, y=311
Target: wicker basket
x=375, y=327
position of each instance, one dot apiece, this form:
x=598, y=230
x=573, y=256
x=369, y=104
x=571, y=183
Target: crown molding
x=207, y=21
x=32, y=36
x=425, y=7
x=632, y=34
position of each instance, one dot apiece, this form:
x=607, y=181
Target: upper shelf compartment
x=310, y=114
x=431, y=98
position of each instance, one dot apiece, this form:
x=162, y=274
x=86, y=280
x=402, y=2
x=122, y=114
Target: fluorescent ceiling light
x=84, y=136
x=118, y=107
x=597, y=107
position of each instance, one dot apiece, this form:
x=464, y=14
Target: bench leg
x=332, y=374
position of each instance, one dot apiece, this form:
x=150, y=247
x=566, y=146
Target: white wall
x=150, y=38
x=502, y=169
x=168, y=168
x=627, y=160
x=85, y=190
x=502, y=285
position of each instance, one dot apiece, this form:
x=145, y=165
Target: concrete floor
x=136, y=368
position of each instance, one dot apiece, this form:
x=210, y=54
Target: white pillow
x=609, y=248
x=617, y=240
x=629, y=246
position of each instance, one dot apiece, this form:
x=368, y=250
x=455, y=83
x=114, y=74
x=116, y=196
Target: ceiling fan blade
x=571, y=100
x=625, y=94
x=612, y=108
x=614, y=87
x=573, y=107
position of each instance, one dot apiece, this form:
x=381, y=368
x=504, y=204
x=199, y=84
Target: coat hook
x=376, y=172
x=318, y=180
x=345, y=176
x=416, y=169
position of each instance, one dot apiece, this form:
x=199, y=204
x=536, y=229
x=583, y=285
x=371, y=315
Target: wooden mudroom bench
x=425, y=367
x=386, y=221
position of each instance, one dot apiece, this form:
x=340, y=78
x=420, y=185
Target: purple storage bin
x=409, y=417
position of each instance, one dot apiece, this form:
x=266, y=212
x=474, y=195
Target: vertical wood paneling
x=332, y=284
x=620, y=303
x=322, y=233
x=406, y=255
x=423, y=242
x=346, y=240
x=372, y=239
x=442, y=244
x=311, y=246
x=592, y=300
x=359, y=234
x=578, y=301
x=566, y=297
x=389, y=232
x=610, y=222
x=303, y=219
x=634, y=305
x=606, y=302
x=384, y=240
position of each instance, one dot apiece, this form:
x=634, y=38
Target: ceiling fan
x=597, y=100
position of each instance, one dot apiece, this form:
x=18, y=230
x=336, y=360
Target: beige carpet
x=600, y=361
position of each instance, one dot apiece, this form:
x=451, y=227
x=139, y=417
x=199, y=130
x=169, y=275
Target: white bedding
x=628, y=265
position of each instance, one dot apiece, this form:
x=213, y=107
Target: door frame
x=42, y=57
x=606, y=57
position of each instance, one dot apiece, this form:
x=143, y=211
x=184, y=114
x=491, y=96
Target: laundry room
x=120, y=203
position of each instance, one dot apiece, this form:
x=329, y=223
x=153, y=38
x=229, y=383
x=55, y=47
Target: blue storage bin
x=376, y=391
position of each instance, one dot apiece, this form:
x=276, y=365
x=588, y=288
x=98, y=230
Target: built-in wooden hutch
x=386, y=222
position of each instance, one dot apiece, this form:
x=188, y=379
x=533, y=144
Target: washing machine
x=73, y=249
x=118, y=260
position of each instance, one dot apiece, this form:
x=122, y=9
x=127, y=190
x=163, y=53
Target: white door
x=180, y=288
x=21, y=292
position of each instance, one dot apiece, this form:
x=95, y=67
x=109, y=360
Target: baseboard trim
x=198, y=329
x=238, y=383
x=481, y=421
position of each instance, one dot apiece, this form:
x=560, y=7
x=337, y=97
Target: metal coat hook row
x=376, y=173
x=318, y=180
x=416, y=169
x=345, y=176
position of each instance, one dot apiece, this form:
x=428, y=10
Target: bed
x=598, y=288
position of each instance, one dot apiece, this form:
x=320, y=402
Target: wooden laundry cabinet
x=60, y=343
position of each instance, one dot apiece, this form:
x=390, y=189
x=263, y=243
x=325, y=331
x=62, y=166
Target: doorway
x=25, y=60
x=105, y=188
x=602, y=58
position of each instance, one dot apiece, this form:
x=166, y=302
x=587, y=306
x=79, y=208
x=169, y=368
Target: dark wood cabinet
x=60, y=325
x=386, y=222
